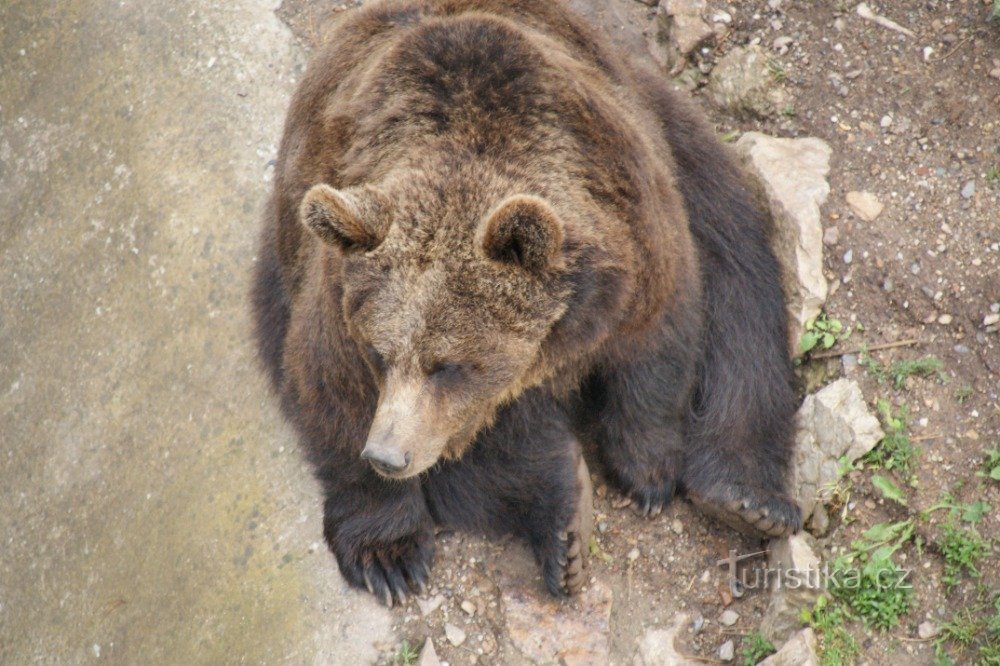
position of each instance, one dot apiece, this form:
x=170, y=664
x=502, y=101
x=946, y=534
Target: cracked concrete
x=154, y=507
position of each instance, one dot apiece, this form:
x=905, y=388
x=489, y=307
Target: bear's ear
x=522, y=231
x=355, y=219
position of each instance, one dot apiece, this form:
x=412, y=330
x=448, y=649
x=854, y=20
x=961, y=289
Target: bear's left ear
x=522, y=231
x=354, y=220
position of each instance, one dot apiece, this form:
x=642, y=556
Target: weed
x=900, y=371
x=962, y=548
x=963, y=393
x=407, y=654
x=789, y=111
x=888, y=489
x=993, y=175
x=836, y=645
x=777, y=70
x=729, y=137
x=991, y=466
x=896, y=450
x=878, y=592
x=754, y=648
x=821, y=333
x=968, y=627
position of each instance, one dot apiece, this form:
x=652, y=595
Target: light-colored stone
x=677, y=29
x=833, y=423
x=743, y=83
x=793, y=175
x=729, y=618
x=544, y=630
x=429, y=605
x=727, y=651
x=428, y=655
x=795, y=584
x=927, y=630
x=865, y=205
x=658, y=647
x=800, y=650
x=454, y=634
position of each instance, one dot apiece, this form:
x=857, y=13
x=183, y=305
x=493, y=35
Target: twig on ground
x=865, y=12
x=888, y=345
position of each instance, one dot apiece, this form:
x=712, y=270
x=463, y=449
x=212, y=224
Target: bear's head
x=449, y=293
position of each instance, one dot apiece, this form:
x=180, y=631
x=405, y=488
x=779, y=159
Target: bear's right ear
x=355, y=219
x=522, y=231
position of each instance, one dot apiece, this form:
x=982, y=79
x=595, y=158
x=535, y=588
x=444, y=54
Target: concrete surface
x=153, y=507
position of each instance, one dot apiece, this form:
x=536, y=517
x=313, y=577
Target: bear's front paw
x=752, y=511
x=649, y=492
x=390, y=570
x=562, y=557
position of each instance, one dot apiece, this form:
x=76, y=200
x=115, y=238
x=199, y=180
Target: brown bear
x=491, y=238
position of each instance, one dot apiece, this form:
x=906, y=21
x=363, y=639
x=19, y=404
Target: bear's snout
x=386, y=460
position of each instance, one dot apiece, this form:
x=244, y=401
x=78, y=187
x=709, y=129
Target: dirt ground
x=914, y=127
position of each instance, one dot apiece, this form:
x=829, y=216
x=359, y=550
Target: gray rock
x=927, y=630
x=544, y=630
x=728, y=618
x=833, y=422
x=454, y=634
x=831, y=236
x=678, y=29
x=793, y=174
x=800, y=650
x=865, y=205
x=428, y=606
x=428, y=655
x=727, y=651
x=968, y=190
x=795, y=585
x=658, y=646
x=743, y=83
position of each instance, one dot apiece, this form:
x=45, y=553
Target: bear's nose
x=387, y=461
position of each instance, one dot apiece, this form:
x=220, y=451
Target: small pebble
x=729, y=618
x=991, y=319
x=927, y=630
x=995, y=307
x=969, y=189
x=885, y=122
x=454, y=635
x=677, y=526
x=727, y=651
x=831, y=236
x=633, y=555
x=945, y=319
x=849, y=256
x=469, y=607
x=961, y=349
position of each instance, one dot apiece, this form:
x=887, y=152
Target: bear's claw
x=394, y=571
x=564, y=571
x=751, y=511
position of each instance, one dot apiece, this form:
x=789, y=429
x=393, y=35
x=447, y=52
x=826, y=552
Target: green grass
x=900, y=371
x=963, y=393
x=777, y=70
x=868, y=579
x=962, y=548
x=973, y=636
x=754, y=648
x=896, y=450
x=407, y=654
x=836, y=644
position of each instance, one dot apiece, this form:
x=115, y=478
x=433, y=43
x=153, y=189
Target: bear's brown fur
x=490, y=236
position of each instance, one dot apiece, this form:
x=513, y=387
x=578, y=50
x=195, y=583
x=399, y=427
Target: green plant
x=869, y=581
x=896, y=450
x=821, y=333
x=970, y=626
x=993, y=175
x=888, y=489
x=962, y=548
x=995, y=12
x=963, y=393
x=991, y=466
x=836, y=645
x=754, y=648
x=407, y=654
x=777, y=70
x=900, y=371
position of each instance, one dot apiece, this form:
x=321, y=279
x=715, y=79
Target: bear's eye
x=376, y=359
x=445, y=369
